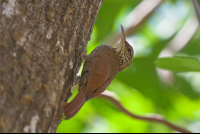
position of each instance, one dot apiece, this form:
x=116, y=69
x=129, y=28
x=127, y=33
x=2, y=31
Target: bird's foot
x=77, y=78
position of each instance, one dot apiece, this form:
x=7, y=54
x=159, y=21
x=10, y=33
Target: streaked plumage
x=100, y=68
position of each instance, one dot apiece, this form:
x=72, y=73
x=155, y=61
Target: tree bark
x=41, y=43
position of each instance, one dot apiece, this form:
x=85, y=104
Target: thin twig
x=152, y=118
x=197, y=9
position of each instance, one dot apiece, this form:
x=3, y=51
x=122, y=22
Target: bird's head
x=124, y=50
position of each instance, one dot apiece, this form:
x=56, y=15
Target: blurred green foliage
x=179, y=64
x=139, y=88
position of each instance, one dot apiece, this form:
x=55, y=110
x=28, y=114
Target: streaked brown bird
x=99, y=69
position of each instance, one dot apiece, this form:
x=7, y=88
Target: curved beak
x=123, y=37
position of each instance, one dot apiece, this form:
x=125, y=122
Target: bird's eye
x=129, y=50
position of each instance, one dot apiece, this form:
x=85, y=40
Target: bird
x=99, y=69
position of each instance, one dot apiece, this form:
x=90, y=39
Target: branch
x=152, y=118
x=141, y=13
x=197, y=9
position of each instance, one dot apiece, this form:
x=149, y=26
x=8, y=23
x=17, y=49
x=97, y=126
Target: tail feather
x=70, y=109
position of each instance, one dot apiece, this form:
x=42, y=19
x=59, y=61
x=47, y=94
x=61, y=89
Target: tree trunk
x=41, y=43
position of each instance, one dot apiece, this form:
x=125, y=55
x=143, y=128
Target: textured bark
x=41, y=43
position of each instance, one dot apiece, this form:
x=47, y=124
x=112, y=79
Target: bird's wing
x=99, y=73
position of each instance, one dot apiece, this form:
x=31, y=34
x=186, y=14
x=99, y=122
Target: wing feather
x=99, y=73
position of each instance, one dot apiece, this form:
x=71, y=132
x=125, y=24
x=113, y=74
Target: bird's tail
x=70, y=109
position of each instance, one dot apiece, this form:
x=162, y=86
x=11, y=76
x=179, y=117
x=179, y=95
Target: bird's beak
x=123, y=37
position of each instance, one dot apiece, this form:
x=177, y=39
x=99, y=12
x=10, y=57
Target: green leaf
x=179, y=64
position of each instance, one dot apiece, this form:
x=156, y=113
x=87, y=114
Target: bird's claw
x=77, y=78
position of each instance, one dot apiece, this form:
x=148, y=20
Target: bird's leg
x=87, y=57
x=77, y=78
x=85, y=72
